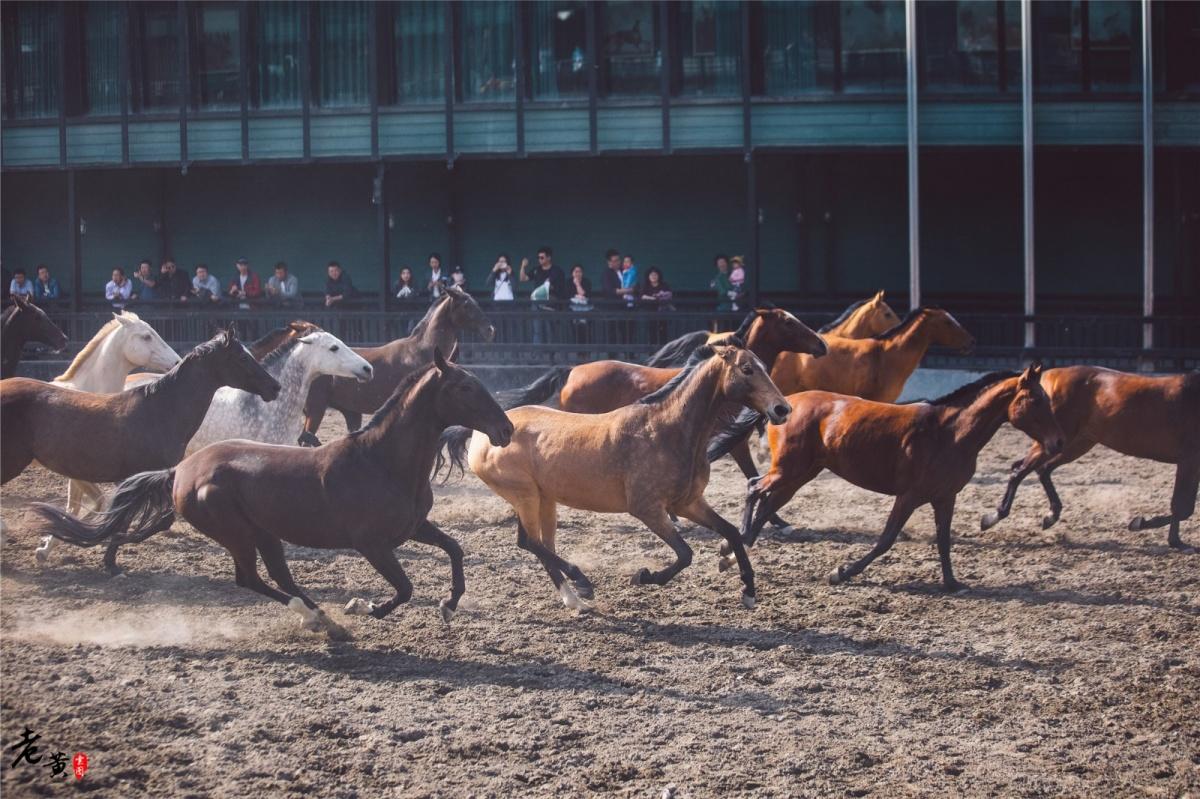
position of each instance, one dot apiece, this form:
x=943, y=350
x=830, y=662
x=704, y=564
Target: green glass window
x=419, y=58
x=631, y=49
x=155, y=57
x=488, y=60
x=797, y=47
x=1087, y=46
x=873, y=45
x=275, y=72
x=31, y=60
x=961, y=45
x=216, y=56
x=100, y=62
x=711, y=47
x=343, y=51
x=558, y=49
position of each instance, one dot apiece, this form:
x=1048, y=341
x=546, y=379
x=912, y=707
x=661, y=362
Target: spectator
x=145, y=284
x=721, y=285
x=655, y=294
x=19, y=285
x=737, y=279
x=581, y=298
x=610, y=285
x=457, y=278
x=283, y=289
x=437, y=281
x=174, y=282
x=245, y=285
x=118, y=290
x=339, y=287
x=45, y=287
x=500, y=279
x=629, y=281
x=549, y=281
x=205, y=287
x=406, y=288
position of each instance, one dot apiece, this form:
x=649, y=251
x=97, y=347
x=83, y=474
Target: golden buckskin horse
x=1157, y=418
x=645, y=459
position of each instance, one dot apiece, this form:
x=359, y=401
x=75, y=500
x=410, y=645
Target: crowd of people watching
x=623, y=284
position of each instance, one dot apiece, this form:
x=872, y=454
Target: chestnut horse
x=645, y=459
x=1157, y=418
x=21, y=322
x=874, y=368
x=368, y=491
x=452, y=313
x=921, y=453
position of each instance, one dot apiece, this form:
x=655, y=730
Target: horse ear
x=453, y=354
x=438, y=360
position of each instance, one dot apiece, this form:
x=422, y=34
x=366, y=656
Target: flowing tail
x=142, y=505
x=676, y=351
x=732, y=434
x=454, y=441
x=539, y=390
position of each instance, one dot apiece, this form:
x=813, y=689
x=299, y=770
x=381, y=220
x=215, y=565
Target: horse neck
x=185, y=393
x=762, y=343
x=106, y=368
x=906, y=350
x=12, y=335
x=295, y=373
x=976, y=423
x=406, y=438
x=692, y=406
x=440, y=331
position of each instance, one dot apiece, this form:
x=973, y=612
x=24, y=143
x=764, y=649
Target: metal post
x=664, y=25
x=185, y=81
x=914, y=208
x=73, y=238
x=519, y=83
x=593, y=68
x=373, y=73
x=1147, y=178
x=244, y=75
x=62, y=84
x=382, y=233
x=752, y=225
x=307, y=51
x=1027, y=163
x=125, y=42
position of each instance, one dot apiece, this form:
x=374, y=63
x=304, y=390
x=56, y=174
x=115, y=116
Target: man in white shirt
x=118, y=289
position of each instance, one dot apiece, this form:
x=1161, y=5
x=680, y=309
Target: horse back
x=603, y=386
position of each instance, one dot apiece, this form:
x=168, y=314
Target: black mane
x=279, y=352
x=905, y=323
x=854, y=306
x=698, y=356
x=964, y=394
x=402, y=388
x=198, y=352
x=420, y=326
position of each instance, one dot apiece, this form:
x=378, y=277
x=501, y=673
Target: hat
x=243, y=260
x=456, y=269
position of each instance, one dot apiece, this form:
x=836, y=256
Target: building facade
x=377, y=133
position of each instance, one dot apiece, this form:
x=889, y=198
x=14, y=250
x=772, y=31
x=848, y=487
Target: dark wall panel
x=35, y=223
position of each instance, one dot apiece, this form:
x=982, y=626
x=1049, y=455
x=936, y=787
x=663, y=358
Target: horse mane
x=201, y=350
x=846, y=314
x=697, y=358
x=422, y=325
x=905, y=323
x=744, y=328
x=279, y=352
x=402, y=388
x=674, y=350
x=93, y=344
x=965, y=394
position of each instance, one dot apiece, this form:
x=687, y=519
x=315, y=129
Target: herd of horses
x=212, y=438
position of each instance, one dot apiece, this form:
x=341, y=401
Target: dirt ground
x=1072, y=667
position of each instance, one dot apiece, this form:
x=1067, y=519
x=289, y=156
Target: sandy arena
x=1072, y=667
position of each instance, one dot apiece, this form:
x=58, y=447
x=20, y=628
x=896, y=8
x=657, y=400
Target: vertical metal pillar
x=1027, y=163
x=383, y=234
x=73, y=238
x=752, y=228
x=914, y=205
x=1147, y=178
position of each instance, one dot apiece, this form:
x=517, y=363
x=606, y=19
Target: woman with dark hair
x=654, y=293
x=500, y=279
x=406, y=288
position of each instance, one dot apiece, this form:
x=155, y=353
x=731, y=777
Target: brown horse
x=103, y=438
x=452, y=313
x=368, y=491
x=21, y=322
x=921, y=453
x=873, y=368
x=1157, y=418
x=645, y=459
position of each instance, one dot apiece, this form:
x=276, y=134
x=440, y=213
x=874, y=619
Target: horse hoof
x=569, y=598
x=835, y=577
x=585, y=590
x=1049, y=521
x=989, y=520
x=1135, y=523
x=447, y=611
x=640, y=578
x=748, y=600
x=41, y=556
x=956, y=588
x=725, y=562
x=358, y=607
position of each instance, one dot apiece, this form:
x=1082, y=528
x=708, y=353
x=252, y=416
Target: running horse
x=21, y=322
x=1157, y=418
x=368, y=491
x=645, y=459
x=454, y=312
x=920, y=453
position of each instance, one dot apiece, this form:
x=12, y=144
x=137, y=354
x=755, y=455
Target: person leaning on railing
x=339, y=287
x=45, y=287
x=283, y=289
x=500, y=279
x=174, y=283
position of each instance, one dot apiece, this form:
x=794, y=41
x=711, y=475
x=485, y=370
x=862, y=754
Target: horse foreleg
x=382, y=558
x=902, y=509
x=659, y=522
x=273, y=558
x=1020, y=470
x=1183, y=504
x=943, y=514
x=428, y=533
x=353, y=420
x=745, y=461
x=1072, y=451
x=702, y=513
x=314, y=410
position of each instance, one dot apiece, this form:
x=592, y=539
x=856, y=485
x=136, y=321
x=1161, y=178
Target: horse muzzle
x=365, y=375
x=1053, y=445
x=820, y=349
x=488, y=332
x=271, y=392
x=778, y=413
x=502, y=437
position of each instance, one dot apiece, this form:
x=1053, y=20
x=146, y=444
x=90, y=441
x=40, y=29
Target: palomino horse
x=368, y=491
x=123, y=344
x=103, y=438
x=21, y=322
x=861, y=319
x=454, y=312
x=921, y=452
x=1157, y=418
x=873, y=368
x=645, y=459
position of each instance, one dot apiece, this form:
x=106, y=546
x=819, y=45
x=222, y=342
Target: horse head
x=745, y=379
x=1030, y=411
x=329, y=356
x=945, y=331
x=236, y=367
x=785, y=332
x=466, y=314
x=141, y=345
x=463, y=400
x=878, y=316
x=30, y=323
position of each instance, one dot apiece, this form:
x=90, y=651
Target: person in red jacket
x=245, y=286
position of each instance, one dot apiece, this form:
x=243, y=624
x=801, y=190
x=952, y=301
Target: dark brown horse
x=454, y=312
x=920, y=453
x=368, y=491
x=22, y=322
x=1157, y=418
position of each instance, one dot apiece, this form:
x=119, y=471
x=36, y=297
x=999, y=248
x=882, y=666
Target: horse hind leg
x=660, y=524
x=353, y=420
x=1183, y=505
x=384, y=560
x=1020, y=470
x=548, y=527
x=313, y=617
x=1074, y=450
x=745, y=461
x=428, y=533
x=902, y=509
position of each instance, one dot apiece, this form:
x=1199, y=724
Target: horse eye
x=146, y=336
x=334, y=348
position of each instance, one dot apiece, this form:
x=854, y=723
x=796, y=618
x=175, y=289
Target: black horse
x=21, y=322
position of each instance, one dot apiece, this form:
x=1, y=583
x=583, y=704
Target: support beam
x=244, y=75
x=664, y=25
x=185, y=81
x=914, y=204
x=520, y=83
x=383, y=234
x=1147, y=176
x=62, y=84
x=307, y=51
x=124, y=42
x=73, y=247
x=1027, y=164
x=593, y=69
x=752, y=225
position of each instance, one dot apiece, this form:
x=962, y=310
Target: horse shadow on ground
x=1032, y=594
